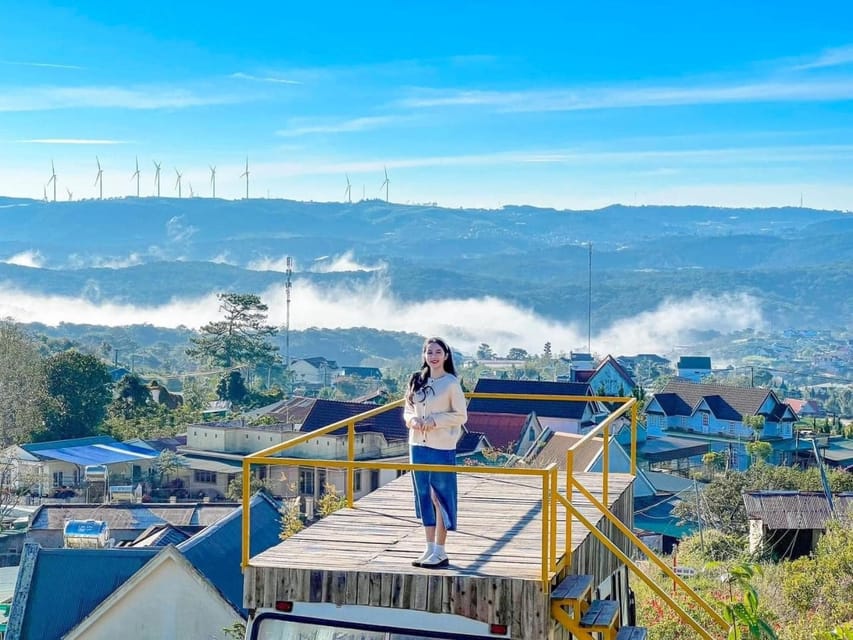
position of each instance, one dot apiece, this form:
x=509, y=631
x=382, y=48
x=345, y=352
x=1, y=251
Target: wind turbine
x=245, y=174
x=190, y=184
x=178, y=181
x=53, y=180
x=99, y=179
x=348, y=191
x=44, y=189
x=213, y=180
x=385, y=184
x=70, y=195
x=157, y=176
x=136, y=175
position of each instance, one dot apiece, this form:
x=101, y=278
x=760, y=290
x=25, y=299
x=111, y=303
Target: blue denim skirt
x=427, y=483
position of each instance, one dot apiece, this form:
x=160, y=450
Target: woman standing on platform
x=434, y=413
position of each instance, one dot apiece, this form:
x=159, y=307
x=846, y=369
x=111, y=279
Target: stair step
x=632, y=633
x=574, y=587
x=602, y=614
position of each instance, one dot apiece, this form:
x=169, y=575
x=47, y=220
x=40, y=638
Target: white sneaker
x=424, y=556
x=434, y=561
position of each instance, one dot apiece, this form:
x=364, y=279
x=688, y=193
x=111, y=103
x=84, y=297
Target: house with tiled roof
x=313, y=372
x=567, y=416
x=509, y=432
x=715, y=413
x=805, y=408
x=609, y=378
x=694, y=368
x=214, y=450
x=372, y=373
x=46, y=605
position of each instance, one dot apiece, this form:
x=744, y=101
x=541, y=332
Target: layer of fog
x=324, y=264
x=464, y=322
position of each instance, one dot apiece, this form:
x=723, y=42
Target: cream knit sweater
x=443, y=401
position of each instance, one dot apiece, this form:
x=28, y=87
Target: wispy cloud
x=143, y=98
x=836, y=57
x=94, y=141
x=725, y=156
x=343, y=263
x=178, y=230
x=48, y=65
x=77, y=261
x=299, y=128
x=268, y=78
x=587, y=98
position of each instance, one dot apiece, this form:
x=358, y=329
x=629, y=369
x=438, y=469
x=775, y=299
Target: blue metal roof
x=57, y=588
x=36, y=447
x=216, y=551
x=550, y=408
x=102, y=453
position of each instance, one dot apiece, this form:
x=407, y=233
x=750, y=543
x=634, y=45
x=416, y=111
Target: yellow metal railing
x=551, y=564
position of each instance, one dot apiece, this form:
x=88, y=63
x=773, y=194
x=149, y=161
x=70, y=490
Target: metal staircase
x=573, y=605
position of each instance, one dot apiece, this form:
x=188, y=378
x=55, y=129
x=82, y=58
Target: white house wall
x=168, y=604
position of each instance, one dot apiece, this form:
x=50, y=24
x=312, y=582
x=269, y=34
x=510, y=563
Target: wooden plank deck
x=363, y=555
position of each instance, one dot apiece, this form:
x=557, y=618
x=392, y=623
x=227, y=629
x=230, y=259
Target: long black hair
x=420, y=377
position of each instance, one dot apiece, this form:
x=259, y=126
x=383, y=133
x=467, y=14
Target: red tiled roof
x=502, y=429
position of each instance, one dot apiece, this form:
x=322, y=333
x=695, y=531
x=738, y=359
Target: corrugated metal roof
x=98, y=454
x=573, y=410
x=57, y=588
x=793, y=509
x=35, y=447
x=159, y=535
x=207, y=464
x=132, y=516
x=216, y=551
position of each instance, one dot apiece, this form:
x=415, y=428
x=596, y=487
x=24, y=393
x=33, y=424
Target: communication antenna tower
x=287, y=327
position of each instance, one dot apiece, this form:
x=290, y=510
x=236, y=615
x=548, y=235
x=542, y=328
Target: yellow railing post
x=552, y=500
x=350, y=469
x=247, y=480
x=634, y=410
x=606, y=462
x=570, y=468
x=546, y=527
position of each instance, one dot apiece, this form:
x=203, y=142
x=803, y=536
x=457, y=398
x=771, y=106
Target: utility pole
x=589, y=305
x=699, y=517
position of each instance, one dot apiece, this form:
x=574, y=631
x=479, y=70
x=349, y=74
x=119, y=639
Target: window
x=706, y=418
x=306, y=482
x=357, y=480
x=206, y=477
x=57, y=479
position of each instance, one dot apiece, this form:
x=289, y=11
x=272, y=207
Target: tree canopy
x=22, y=385
x=78, y=390
x=240, y=338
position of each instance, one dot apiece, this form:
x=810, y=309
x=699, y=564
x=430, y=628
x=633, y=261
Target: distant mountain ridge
x=797, y=262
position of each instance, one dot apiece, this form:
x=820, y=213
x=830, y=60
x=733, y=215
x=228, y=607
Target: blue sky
x=474, y=103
